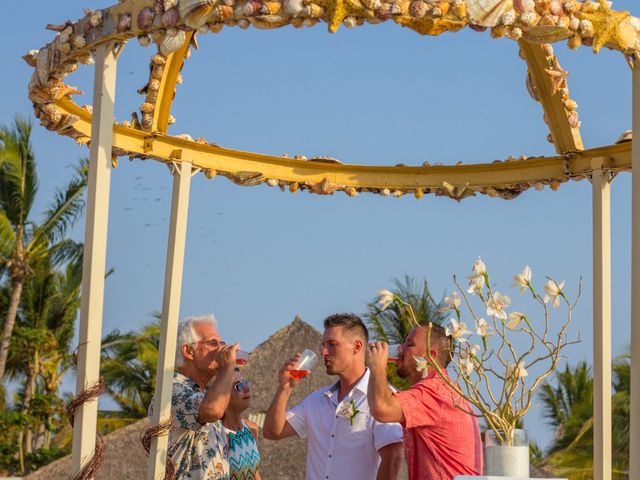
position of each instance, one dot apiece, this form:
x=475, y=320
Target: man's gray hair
x=188, y=336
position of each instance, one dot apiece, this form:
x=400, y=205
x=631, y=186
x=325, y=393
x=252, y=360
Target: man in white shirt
x=344, y=441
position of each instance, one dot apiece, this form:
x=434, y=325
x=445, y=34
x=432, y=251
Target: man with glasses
x=202, y=386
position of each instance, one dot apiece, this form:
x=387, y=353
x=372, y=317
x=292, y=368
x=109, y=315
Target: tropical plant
x=393, y=323
x=129, y=362
x=568, y=407
x=23, y=241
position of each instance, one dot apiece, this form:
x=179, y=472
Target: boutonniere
x=349, y=410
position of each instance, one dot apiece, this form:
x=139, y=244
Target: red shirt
x=440, y=440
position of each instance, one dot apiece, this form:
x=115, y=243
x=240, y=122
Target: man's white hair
x=187, y=334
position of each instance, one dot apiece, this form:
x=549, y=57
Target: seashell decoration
x=195, y=12
x=547, y=34
x=487, y=13
x=418, y=9
x=145, y=18
x=42, y=65
x=124, y=22
x=293, y=8
x=172, y=42
x=170, y=18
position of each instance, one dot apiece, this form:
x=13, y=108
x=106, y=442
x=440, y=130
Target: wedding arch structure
x=170, y=29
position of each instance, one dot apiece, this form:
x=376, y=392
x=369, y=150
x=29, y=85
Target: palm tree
x=40, y=346
x=23, y=241
x=129, y=364
x=393, y=324
x=569, y=409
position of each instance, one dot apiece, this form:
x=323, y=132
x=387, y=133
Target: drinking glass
x=393, y=352
x=242, y=357
x=307, y=361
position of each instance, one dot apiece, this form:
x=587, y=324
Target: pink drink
x=299, y=374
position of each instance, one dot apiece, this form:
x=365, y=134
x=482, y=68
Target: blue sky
x=256, y=257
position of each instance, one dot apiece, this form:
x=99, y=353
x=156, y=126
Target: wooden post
x=95, y=252
x=170, y=314
x=634, y=424
x=601, y=322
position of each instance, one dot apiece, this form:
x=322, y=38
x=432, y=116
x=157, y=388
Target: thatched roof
x=285, y=460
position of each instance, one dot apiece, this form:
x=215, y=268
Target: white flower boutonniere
x=349, y=410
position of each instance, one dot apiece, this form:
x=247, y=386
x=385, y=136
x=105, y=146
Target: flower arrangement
x=493, y=377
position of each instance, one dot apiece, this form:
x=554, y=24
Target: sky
x=376, y=95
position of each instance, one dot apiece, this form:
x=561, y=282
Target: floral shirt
x=198, y=451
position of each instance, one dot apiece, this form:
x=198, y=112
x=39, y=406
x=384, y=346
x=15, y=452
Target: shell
x=144, y=40
x=529, y=18
x=215, y=27
x=169, y=4
x=522, y=6
x=42, y=65
x=574, y=120
x=170, y=18
x=252, y=7
x=570, y=105
x=556, y=8
x=223, y=12
x=571, y=6
x=272, y=7
x=543, y=6
x=418, y=9
x=145, y=18
x=487, y=13
x=350, y=22
x=459, y=9
x=293, y=7
x=172, y=43
x=195, y=12
x=124, y=22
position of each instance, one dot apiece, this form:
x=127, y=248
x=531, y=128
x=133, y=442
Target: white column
x=634, y=472
x=95, y=252
x=601, y=322
x=170, y=314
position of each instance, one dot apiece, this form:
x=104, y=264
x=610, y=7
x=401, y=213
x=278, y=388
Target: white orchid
x=523, y=280
x=496, y=304
x=476, y=283
x=553, y=291
x=479, y=268
x=451, y=303
x=421, y=366
x=385, y=298
x=516, y=371
x=349, y=410
x=458, y=329
x=515, y=319
x=466, y=366
x=471, y=350
x=483, y=329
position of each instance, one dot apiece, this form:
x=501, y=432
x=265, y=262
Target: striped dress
x=244, y=457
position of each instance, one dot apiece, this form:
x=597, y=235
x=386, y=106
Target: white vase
x=501, y=459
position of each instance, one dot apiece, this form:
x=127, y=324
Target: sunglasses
x=240, y=386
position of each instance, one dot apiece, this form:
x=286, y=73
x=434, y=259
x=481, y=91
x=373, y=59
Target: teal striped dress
x=244, y=457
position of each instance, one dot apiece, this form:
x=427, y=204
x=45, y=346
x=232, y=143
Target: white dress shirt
x=336, y=449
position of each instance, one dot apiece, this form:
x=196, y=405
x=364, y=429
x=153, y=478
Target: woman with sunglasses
x=244, y=457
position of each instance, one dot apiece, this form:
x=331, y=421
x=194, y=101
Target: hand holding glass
x=307, y=361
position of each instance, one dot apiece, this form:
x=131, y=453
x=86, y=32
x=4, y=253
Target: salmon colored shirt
x=440, y=440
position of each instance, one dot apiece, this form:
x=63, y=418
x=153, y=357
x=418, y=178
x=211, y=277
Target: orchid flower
x=385, y=298
x=451, y=303
x=496, y=304
x=457, y=330
x=553, y=291
x=523, y=280
x=515, y=319
x=421, y=366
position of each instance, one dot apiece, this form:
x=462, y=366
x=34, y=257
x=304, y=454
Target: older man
x=201, y=389
x=344, y=441
x=441, y=439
